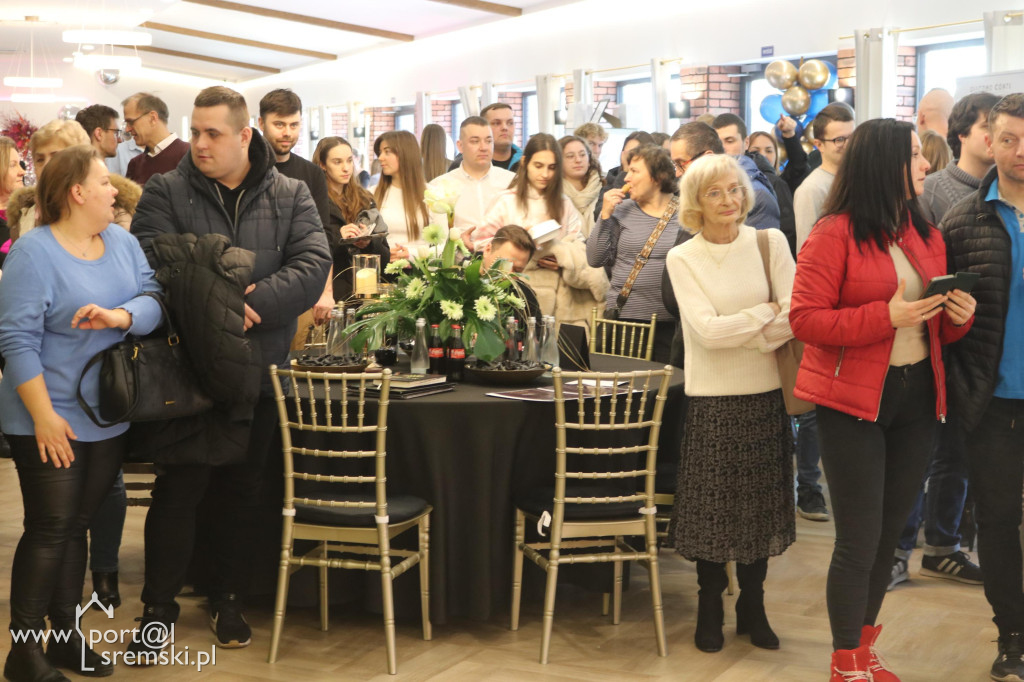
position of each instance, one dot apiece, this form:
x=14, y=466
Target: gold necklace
x=717, y=261
x=75, y=247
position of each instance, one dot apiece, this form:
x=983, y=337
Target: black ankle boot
x=27, y=663
x=710, y=616
x=751, y=619
x=105, y=587
x=67, y=653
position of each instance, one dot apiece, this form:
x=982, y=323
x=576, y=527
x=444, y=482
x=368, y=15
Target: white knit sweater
x=729, y=329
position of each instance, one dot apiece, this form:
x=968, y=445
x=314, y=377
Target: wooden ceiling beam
x=167, y=28
x=303, y=19
x=491, y=7
x=204, y=58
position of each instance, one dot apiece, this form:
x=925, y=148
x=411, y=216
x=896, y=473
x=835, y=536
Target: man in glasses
x=100, y=123
x=832, y=128
x=145, y=119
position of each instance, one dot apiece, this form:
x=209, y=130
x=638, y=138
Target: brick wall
x=441, y=114
x=906, y=78
x=379, y=120
x=711, y=90
x=338, y=124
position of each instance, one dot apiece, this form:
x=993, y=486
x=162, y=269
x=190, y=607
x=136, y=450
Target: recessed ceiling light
x=88, y=48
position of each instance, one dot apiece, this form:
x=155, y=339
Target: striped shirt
x=615, y=243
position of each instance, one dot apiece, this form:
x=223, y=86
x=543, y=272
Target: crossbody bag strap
x=766, y=260
x=645, y=253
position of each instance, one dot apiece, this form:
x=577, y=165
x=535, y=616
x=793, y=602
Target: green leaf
x=448, y=255
x=489, y=346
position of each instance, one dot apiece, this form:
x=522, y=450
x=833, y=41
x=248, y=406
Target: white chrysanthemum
x=451, y=310
x=415, y=288
x=396, y=267
x=485, y=309
x=433, y=234
x=515, y=301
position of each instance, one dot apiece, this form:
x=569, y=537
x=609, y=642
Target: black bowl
x=386, y=356
x=503, y=377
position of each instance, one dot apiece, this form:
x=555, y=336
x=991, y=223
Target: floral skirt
x=734, y=496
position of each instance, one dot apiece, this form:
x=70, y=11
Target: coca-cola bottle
x=436, y=351
x=456, y=354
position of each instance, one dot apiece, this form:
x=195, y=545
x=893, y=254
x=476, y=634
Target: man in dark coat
x=227, y=185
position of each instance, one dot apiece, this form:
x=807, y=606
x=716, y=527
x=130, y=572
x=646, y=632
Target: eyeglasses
x=131, y=121
x=735, y=192
x=838, y=141
x=681, y=166
x=117, y=132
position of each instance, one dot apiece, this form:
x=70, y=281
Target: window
x=405, y=119
x=938, y=66
x=458, y=116
x=531, y=118
x=636, y=104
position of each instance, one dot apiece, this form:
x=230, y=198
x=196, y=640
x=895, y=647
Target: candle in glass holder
x=366, y=267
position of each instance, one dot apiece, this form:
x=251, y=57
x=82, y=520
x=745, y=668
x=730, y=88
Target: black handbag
x=145, y=379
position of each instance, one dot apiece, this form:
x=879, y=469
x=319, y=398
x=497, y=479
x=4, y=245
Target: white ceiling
x=416, y=18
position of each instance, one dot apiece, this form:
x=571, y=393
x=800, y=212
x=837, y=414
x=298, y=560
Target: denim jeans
x=995, y=452
x=943, y=504
x=807, y=471
x=106, y=529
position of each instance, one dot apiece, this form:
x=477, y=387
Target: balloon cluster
x=804, y=93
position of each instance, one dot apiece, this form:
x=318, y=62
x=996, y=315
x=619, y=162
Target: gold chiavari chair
x=334, y=452
x=623, y=339
x=607, y=495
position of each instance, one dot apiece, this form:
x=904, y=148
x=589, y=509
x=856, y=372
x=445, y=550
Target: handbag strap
x=766, y=260
x=645, y=253
x=172, y=339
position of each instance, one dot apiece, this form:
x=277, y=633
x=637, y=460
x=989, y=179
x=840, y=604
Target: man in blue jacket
x=227, y=185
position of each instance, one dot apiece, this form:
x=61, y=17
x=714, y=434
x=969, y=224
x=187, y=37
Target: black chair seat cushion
x=400, y=508
x=539, y=500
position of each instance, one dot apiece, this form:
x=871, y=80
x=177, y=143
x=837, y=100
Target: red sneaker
x=851, y=665
x=878, y=667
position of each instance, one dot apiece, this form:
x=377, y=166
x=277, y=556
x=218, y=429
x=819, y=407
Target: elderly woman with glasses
x=734, y=498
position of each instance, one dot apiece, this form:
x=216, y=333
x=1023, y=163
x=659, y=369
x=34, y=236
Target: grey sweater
x=945, y=188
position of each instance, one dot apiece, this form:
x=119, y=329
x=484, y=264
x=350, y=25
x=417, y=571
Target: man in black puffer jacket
x=985, y=234
x=228, y=185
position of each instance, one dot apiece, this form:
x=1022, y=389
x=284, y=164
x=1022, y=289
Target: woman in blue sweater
x=70, y=289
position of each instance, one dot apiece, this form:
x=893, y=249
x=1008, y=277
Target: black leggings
x=874, y=470
x=49, y=564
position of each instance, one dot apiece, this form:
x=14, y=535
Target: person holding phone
x=873, y=365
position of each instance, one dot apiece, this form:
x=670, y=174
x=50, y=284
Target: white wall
x=608, y=33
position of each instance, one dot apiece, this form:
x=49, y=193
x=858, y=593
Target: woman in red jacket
x=873, y=365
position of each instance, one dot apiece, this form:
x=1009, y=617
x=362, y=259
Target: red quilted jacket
x=840, y=309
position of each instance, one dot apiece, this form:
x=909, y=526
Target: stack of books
x=405, y=386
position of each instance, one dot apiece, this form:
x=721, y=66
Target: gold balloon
x=780, y=74
x=796, y=101
x=808, y=147
x=808, y=131
x=814, y=74
x=780, y=152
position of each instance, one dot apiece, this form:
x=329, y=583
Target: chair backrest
x=620, y=338
x=333, y=405
x=614, y=438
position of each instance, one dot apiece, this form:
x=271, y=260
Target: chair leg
x=656, y=603
x=730, y=571
x=606, y=601
x=617, y=590
x=517, y=568
x=281, y=600
x=549, y=605
x=389, y=614
x=323, y=587
x=425, y=576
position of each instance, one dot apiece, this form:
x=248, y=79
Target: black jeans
x=49, y=564
x=171, y=522
x=995, y=451
x=874, y=470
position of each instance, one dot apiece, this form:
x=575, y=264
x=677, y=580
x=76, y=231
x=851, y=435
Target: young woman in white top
x=399, y=195
x=582, y=174
x=566, y=286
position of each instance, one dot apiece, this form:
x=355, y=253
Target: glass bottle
x=549, y=351
x=420, y=354
x=435, y=351
x=456, y=359
x=530, y=347
x=512, y=340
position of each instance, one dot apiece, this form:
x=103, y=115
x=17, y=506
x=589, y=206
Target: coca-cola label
x=457, y=353
x=436, y=352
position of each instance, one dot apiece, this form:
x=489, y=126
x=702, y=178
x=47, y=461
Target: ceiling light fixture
x=34, y=97
x=108, y=37
x=98, y=62
x=30, y=82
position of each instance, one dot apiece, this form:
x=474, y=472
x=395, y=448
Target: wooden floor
x=934, y=629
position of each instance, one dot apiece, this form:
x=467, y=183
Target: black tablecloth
x=467, y=454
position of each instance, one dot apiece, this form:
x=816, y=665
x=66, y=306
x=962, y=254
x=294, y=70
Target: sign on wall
x=998, y=84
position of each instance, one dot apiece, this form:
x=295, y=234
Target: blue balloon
x=819, y=100
x=771, y=108
x=833, y=77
